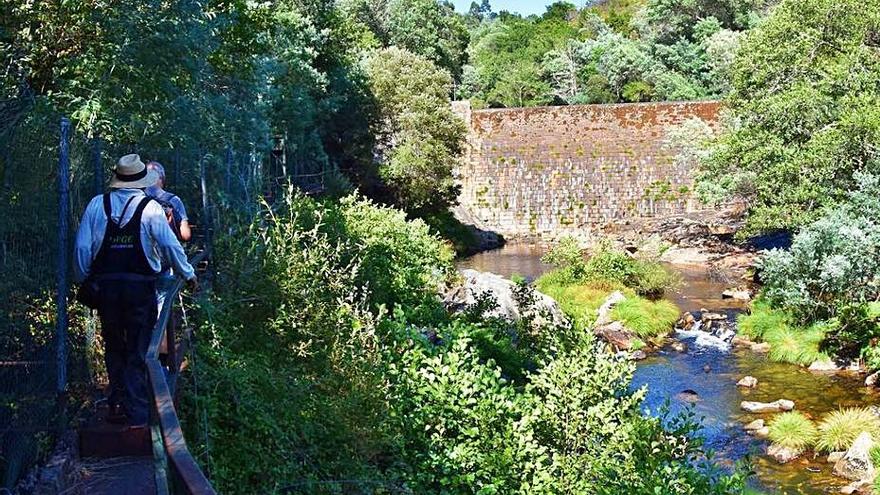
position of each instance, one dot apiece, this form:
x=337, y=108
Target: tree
x=419, y=138
x=806, y=87
x=431, y=29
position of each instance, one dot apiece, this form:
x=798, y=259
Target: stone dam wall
x=546, y=172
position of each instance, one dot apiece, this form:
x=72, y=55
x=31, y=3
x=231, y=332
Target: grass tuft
x=789, y=343
x=646, y=318
x=793, y=430
x=839, y=429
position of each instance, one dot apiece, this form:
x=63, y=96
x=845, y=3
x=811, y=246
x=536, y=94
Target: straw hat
x=131, y=173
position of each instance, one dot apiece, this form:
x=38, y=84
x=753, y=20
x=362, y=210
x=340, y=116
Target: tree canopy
x=805, y=118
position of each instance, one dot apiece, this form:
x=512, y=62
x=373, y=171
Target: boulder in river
x=686, y=322
x=856, y=463
x=747, y=382
x=780, y=405
x=824, y=365
x=678, y=346
x=872, y=379
x=782, y=454
x=754, y=425
x=476, y=284
x=616, y=334
x=862, y=486
x=737, y=294
x=612, y=331
x=763, y=432
x=835, y=456
x=761, y=348
x=688, y=396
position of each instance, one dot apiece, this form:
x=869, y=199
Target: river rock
x=688, y=396
x=856, y=463
x=763, y=432
x=871, y=380
x=754, y=425
x=854, y=487
x=706, y=317
x=762, y=347
x=475, y=285
x=739, y=294
x=835, y=456
x=603, y=315
x=782, y=454
x=686, y=322
x=678, y=346
x=823, y=365
x=638, y=355
x=742, y=341
x=780, y=405
x=616, y=334
x=748, y=382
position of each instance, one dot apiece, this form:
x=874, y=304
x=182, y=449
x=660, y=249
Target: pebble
x=748, y=382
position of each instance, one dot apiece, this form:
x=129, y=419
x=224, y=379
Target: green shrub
x=792, y=430
x=607, y=265
x=839, y=429
x=833, y=262
x=313, y=377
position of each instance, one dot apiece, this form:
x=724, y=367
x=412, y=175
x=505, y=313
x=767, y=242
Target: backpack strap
x=139, y=211
x=108, y=212
x=107, y=205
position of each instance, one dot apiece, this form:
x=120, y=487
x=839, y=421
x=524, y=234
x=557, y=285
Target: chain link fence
x=50, y=359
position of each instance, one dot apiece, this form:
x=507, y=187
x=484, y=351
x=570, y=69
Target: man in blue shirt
x=177, y=219
x=172, y=204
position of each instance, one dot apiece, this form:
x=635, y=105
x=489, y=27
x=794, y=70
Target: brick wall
x=550, y=171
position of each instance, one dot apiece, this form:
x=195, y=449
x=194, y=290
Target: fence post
x=177, y=168
x=99, y=169
x=228, y=179
x=63, y=233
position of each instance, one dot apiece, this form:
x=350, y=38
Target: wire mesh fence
x=50, y=358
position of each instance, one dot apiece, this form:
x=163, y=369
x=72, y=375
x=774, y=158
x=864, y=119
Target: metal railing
x=176, y=469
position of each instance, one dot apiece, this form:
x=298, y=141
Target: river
x=712, y=373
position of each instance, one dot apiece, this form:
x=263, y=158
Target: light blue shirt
x=157, y=238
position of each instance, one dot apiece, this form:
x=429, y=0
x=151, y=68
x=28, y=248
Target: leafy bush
x=793, y=430
x=839, y=429
x=607, y=265
x=833, y=261
x=305, y=372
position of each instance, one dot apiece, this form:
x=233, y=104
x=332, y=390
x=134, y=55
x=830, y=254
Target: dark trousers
x=128, y=314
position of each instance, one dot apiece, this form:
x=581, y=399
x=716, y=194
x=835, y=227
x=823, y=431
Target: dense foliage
x=805, y=119
x=823, y=290
x=328, y=363
x=621, y=51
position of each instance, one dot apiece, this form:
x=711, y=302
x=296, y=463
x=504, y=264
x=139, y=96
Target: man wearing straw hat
x=121, y=244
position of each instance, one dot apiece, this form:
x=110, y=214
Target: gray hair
x=158, y=168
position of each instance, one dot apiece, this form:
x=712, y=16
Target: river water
x=712, y=373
